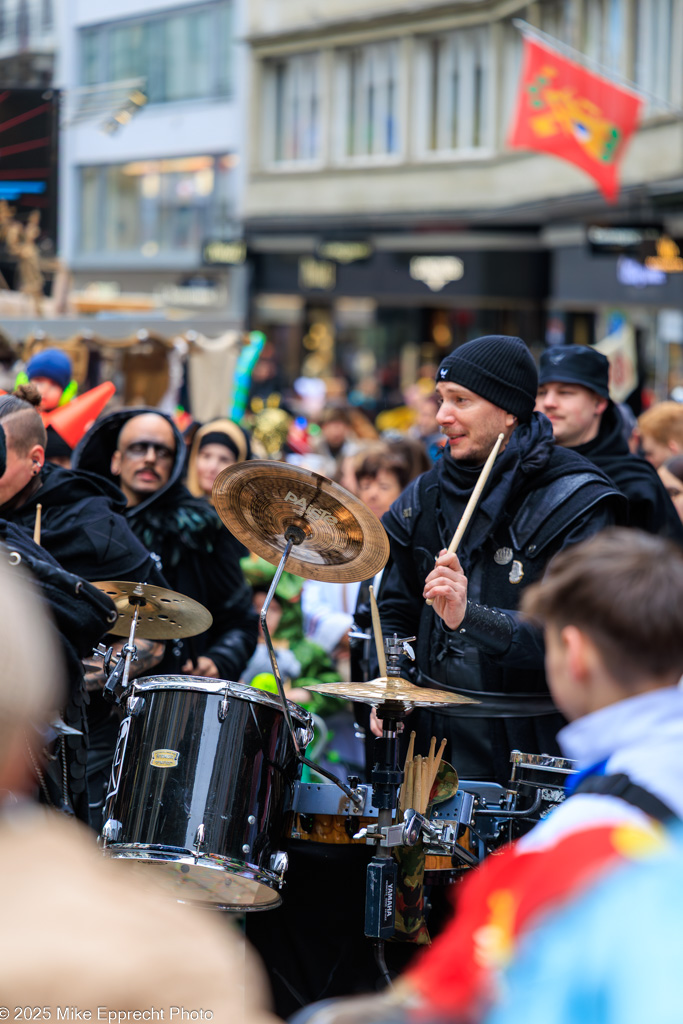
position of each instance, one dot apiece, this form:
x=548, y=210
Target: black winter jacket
x=649, y=506
x=539, y=499
x=197, y=555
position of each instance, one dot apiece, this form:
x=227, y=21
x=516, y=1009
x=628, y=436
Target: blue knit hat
x=499, y=368
x=50, y=363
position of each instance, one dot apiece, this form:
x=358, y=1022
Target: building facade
x=151, y=169
x=385, y=218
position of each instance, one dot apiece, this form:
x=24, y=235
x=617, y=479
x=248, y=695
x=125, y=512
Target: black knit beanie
x=499, y=368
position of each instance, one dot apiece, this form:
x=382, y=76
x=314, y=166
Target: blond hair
x=663, y=423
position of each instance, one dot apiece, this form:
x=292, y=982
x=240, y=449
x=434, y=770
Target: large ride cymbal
x=164, y=614
x=386, y=689
x=337, y=538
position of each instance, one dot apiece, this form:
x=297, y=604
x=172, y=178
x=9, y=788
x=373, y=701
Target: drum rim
x=541, y=762
x=151, y=854
x=202, y=684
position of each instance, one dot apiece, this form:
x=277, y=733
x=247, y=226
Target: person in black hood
x=573, y=392
x=81, y=615
x=539, y=498
x=143, y=451
x=83, y=529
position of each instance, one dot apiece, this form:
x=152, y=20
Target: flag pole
x=581, y=58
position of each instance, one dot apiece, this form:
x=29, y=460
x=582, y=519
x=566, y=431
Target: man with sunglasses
x=143, y=452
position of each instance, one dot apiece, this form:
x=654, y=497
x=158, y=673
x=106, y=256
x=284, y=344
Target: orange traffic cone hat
x=73, y=420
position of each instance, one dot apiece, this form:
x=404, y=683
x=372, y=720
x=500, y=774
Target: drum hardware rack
x=294, y=535
x=118, y=677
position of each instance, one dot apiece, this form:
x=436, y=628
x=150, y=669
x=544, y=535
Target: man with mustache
x=573, y=392
x=144, y=453
x=539, y=499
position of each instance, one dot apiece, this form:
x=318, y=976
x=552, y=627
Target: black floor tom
x=203, y=772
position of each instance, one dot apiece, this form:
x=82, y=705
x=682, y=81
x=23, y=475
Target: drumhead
x=221, y=687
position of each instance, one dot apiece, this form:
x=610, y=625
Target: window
x=23, y=24
x=509, y=77
x=183, y=55
x=653, y=54
x=457, y=91
x=369, y=99
x=604, y=34
x=152, y=207
x=46, y=20
x=295, y=103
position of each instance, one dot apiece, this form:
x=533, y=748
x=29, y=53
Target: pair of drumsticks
x=419, y=776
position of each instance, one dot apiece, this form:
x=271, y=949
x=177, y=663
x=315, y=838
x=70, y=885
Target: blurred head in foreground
x=31, y=680
x=611, y=610
x=121, y=945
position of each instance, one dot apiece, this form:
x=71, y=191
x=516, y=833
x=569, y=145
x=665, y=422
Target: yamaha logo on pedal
x=389, y=895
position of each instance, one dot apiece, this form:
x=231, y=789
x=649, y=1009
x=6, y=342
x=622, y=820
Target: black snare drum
x=202, y=775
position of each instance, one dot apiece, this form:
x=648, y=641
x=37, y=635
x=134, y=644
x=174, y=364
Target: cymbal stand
x=117, y=685
x=386, y=778
x=294, y=535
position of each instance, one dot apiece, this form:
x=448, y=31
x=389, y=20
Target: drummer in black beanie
x=539, y=498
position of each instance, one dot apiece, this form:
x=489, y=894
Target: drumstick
x=377, y=630
x=417, y=782
x=474, y=499
x=36, y=528
x=437, y=763
x=411, y=747
x=426, y=776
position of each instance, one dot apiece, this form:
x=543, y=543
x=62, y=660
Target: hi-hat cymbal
x=390, y=688
x=164, y=614
x=264, y=502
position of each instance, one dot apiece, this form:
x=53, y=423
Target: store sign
x=227, y=253
x=633, y=274
x=614, y=240
x=196, y=296
x=345, y=251
x=317, y=274
x=436, y=271
x=668, y=259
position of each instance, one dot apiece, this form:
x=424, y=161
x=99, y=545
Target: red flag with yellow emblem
x=573, y=113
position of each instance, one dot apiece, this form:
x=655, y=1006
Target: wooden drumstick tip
x=411, y=747
x=36, y=528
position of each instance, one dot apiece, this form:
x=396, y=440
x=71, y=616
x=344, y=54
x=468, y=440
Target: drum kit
x=205, y=787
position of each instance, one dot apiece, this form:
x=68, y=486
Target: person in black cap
x=539, y=498
x=573, y=392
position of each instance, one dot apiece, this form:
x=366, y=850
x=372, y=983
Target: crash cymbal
x=264, y=503
x=390, y=688
x=164, y=614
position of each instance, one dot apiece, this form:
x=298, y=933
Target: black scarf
x=526, y=454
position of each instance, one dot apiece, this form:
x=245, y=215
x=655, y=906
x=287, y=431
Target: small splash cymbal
x=164, y=614
x=337, y=538
x=390, y=688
